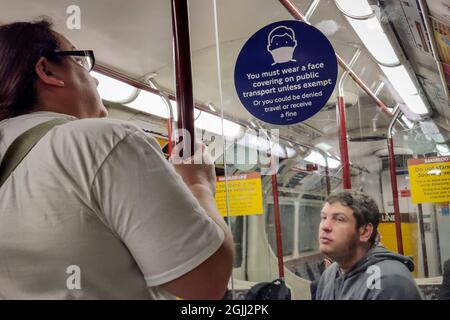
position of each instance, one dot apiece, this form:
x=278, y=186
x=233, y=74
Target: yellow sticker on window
x=244, y=194
x=430, y=179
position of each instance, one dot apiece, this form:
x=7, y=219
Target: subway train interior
x=384, y=127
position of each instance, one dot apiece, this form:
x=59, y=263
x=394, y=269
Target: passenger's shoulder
x=110, y=131
x=393, y=268
x=103, y=125
x=395, y=274
x=98, y=137
x=396, y=282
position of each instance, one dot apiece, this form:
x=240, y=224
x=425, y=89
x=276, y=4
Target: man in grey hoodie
x=362, y=270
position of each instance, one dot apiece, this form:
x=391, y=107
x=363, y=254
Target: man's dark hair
x=365, y=209
x=21, y=46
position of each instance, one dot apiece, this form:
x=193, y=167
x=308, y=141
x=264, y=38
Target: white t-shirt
x=94, y=211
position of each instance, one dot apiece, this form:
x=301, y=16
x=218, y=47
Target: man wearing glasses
x=94, y=211
x=72, y=82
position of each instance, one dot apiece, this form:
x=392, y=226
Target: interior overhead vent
x=332, y=106
x=368, y=138
x=366, y=135
x=401, y=161
x=350, y=100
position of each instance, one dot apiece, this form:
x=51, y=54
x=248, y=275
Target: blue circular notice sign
x=286, y=72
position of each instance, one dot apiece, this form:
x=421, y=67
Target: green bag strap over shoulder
x=22, y=145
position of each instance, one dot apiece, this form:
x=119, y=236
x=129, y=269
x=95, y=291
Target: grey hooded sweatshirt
x=379, y=275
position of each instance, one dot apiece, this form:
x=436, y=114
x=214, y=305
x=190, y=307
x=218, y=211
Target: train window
x=308, y=226
x=287, y=228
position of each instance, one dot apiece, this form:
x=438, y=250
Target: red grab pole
x=276, y=212
x=183, y=74
x=343, y=146
x=390, y=144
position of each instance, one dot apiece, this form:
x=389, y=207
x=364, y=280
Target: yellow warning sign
x=244, y=195
x=430, y=179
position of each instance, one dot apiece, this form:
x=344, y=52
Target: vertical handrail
x=390, y=144
x=438, y=241
x=296, y=13
x=183, y=74
x=343, y=145
x=422, y=241
x=327, y=177
x=277, y=220
x=170, y=118
x=341, y=117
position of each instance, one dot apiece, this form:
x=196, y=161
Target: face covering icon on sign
x=281, y=44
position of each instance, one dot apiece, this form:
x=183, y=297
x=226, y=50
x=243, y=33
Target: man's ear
x=43, y=70
x=365, y=232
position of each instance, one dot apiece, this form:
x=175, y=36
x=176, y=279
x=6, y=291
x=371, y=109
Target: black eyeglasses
x=84, y=58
